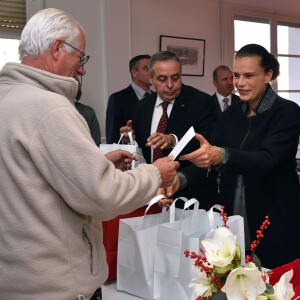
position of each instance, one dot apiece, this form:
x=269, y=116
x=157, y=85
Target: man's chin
x=169, y=97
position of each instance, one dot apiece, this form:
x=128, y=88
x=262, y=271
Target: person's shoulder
x=195, y=91
x=214, y=96
x=193, y=95
x=83, y=107
x=235, y=98
x=123, y=92
x=287, y=104
x=148, y=100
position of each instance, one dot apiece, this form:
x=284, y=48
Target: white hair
x=44, y=28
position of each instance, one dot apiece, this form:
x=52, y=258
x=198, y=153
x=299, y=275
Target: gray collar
x=265, y=103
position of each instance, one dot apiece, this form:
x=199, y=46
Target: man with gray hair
x=55, y=182
x=162, y=119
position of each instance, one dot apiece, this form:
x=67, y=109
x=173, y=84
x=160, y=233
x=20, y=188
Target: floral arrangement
x=221, y=275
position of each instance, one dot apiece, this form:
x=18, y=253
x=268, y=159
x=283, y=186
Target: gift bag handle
x=173, y=208
x=211, y=217
x=153, y=201
x=190, y=203
x=131, y=142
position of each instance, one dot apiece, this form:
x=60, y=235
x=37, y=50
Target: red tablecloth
x=277, y=272
x=111, y=233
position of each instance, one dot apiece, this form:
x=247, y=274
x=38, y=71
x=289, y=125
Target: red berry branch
x=259, y=235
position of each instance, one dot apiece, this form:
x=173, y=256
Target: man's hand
x=168, y=192
x=167, y=169
x=125, y=129
x=121, y=159
x=160, y=140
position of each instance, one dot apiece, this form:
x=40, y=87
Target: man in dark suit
x=186, y=107
x=223, y=81
x=89, y=114
x=121, y=104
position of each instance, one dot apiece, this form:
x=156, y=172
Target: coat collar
x=265, y=103
x=65, y=86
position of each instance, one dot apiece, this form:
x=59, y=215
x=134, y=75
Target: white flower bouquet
x=221, y=275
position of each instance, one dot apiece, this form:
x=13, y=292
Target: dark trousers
x=97, y=295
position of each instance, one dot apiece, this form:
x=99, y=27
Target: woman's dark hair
x=268, y=60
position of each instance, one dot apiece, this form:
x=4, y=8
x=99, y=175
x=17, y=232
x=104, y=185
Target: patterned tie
x=157, y=153
x=225, y=103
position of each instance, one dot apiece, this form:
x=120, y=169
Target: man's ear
x=133, y=72
x=55, y=49
x=150, y=77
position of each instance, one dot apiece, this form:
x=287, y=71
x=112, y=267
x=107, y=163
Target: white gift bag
x=172, y=270
x=136, y=250
x=132, y=147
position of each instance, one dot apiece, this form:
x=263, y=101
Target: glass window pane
x=246, y=32
x=291, y=96
x=288, y=40
x=289, y=73
x=8, y=51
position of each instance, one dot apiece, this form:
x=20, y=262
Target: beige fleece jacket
x=53, y=179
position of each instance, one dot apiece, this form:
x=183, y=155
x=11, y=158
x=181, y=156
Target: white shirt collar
x=159, y=101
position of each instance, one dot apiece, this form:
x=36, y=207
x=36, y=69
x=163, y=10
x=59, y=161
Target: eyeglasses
x=84, y=58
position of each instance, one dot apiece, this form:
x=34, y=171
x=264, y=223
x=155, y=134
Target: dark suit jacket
x=119, y=110
x=191, y=108
x=234, y=99
x=90, y=116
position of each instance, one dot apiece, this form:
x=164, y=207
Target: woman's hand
x=205, y=156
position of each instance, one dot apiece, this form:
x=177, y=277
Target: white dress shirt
x=220, y=99
x=157, y=113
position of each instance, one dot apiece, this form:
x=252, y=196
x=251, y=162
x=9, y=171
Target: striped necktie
x=225, y=103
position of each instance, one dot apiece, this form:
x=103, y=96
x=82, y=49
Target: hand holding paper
x=204, y=156
x=183, y=142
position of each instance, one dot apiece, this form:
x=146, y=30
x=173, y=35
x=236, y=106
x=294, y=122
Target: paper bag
x=136, y=252
x=132, y=148
x=172, y=270
x=111, y=233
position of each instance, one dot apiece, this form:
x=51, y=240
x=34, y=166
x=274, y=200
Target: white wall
x=116, y=30
x=90, y=15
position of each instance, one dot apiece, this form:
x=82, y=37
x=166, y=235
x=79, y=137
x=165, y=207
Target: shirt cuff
x=176, y=139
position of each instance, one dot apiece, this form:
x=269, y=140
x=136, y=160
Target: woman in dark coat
x=255, y=151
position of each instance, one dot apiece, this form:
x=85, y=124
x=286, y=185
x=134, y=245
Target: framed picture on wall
x=190, y=51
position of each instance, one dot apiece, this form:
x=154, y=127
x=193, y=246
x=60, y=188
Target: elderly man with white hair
x=54, y=180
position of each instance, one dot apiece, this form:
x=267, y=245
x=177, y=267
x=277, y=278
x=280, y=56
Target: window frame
x=229, y=13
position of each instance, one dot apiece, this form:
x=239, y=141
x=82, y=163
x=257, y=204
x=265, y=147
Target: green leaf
x=270, y=289
x=219, y=296
x=257, y=261
x=223, y=270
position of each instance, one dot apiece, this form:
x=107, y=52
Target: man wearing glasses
x=54, y=180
